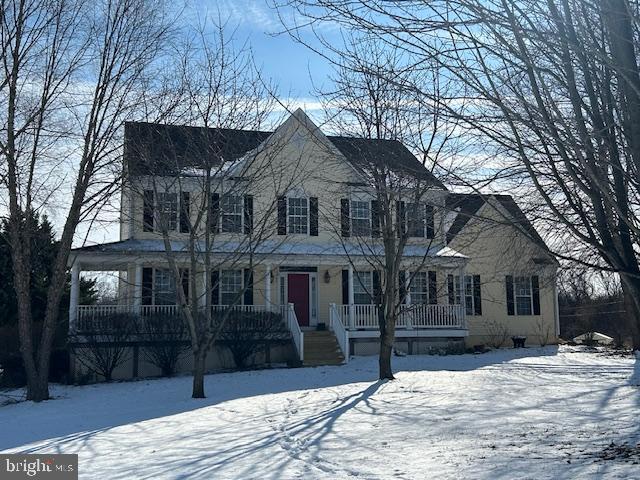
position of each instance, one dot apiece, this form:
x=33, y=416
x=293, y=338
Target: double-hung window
x=361, y=218
x=298, y=215
x=230, y=287
x=164, y=287
x=231, y=213
x=523, y=295
x=419, y=288
x=470, y=298
x=420, y=220
x=167, y=211
x=362, y=288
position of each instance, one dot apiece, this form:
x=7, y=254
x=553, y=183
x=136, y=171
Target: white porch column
x=137, y=289
x=351, y=301
x=74, y=296
x=267, y=287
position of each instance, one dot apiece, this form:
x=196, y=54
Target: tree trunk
x=387, y=335
x=384, y=360
x=199, y=361
x=631, y=290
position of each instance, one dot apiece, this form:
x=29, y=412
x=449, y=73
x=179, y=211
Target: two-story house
x=292, y=226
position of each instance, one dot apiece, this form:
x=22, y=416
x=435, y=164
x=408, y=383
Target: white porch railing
x=339, y=330
x=297, y=334
x=418, y=316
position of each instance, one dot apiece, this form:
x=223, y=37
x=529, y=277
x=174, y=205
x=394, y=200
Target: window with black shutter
x=313, y=216
x=401, y=218
x=148, y=211
x=508, y=280
x=248, y=214
x=215, y=212
x=433, y=288
x=282, y=215
x=345, y=222
x=185, y=208
x=375, y=218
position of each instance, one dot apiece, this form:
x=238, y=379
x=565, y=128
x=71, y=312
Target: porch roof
x=137, y=247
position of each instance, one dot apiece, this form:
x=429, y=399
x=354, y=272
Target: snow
x=526, y=413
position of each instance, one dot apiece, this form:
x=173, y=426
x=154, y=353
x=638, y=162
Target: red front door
x=298, y=294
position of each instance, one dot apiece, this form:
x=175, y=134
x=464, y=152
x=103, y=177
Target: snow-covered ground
x=534, y=413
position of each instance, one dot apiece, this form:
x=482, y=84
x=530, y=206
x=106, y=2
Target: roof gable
x=468, y=206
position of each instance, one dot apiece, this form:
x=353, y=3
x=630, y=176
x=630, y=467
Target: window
x=298, y=210
x=167, y=210
x=415, y=219
x=361, y=218
x=523, y=295
x=420, y=220
x=469, y=297
x=362, y=288
x=419, y=288
x=164, y=287
x=230, y=287
x=232, y=211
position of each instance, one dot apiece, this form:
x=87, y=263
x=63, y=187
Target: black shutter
x=433, y=287
x=184, y=278
x=215, y=212
x=375, y=218
x=377, y=288
x=401, y=218
x=147, y=286
x=248, y=214
x=429, y=221
x=344, y=217
x=508, y=280
x=477, y=296
x=147, y=220
x=282, y=215
x=402, y=285
x=215, y=287
x=345, y=287
x=451, y=289
x=313, y=216
x=248, y=287
x=535, y=288
x=185, y=208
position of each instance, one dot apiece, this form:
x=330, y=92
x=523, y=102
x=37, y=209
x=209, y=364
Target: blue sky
x=289, y=64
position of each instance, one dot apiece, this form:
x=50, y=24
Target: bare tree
x=71, y=71
x=550, y=91
x=366, y=101
x=224, y=98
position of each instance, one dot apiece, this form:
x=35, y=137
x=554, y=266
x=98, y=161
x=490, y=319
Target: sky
x=290, y=65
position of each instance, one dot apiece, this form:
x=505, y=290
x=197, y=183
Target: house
x=292, y=226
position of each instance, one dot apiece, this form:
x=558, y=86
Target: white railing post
x=341, y=333
x=351, y=298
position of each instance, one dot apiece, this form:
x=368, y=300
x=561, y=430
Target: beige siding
x=496, y=249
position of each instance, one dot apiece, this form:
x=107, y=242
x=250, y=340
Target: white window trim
x=412, y=276
x=358, y=284
x=157, y=213
x=221, y=213
x=242, y=286
x=458, y=299
x=515, y=296
x=352, y=217
x=306, y=198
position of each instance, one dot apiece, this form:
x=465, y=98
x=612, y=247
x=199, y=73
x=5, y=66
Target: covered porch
x=310, y=290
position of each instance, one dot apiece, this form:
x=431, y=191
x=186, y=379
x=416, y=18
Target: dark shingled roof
x=164, y=149
x=468, y=205
x=362, y=152
x=167, y=148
